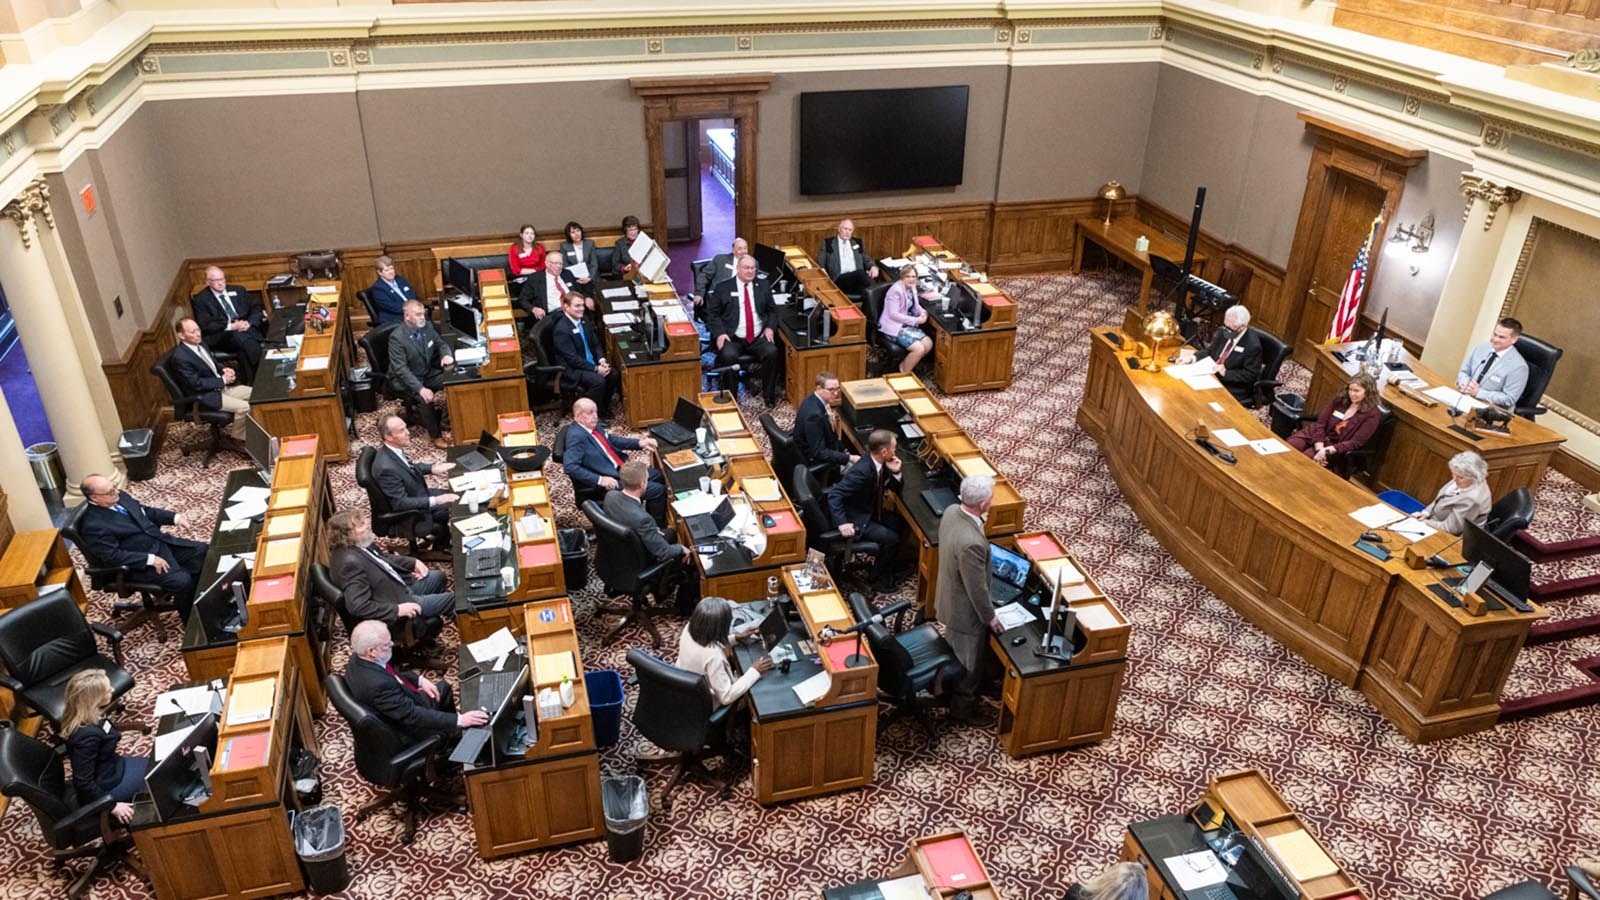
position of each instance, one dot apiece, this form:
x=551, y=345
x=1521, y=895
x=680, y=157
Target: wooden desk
x=970, y=359
x=306, y=395
x=478, y=395
x=1256, y=809
x=927, y=863
x=652, y=380
x=1418, y=456
x=33, y=560
x=1118, y=240
x=844, y=354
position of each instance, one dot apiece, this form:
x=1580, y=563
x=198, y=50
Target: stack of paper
x=251, y=701
x=550, y=668
x=1302, y=855
x=477, y=524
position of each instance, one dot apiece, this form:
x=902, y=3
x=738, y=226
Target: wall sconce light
x=1420, y=235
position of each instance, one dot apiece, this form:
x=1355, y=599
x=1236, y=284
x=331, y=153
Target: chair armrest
x=10, y=684
x=113, y=637
x=656, y=571
x=87, y=812
x=417, y=752
x=1268, y=383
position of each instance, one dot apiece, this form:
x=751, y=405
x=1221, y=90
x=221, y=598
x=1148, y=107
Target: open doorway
x=702, y=158
x=16, y=379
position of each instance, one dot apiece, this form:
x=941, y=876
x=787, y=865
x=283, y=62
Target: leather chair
x=626, y=568
x=605, y=257
x=786, y=456
x=544, y=342
x=1522, y=890
x=1541, y=358
x=872, y=307
x=105, y=575
x=674, y=712
x=581, y=494
x=1580, y=886
x=46, y=642
x=186, y=407
x=35, y=773
x=1510, y=514
x=837, y=550
x=318, y=264
x=411, y=635
x=696, y=269
x=389, y=759
x=1273, y=354
x=910, y=663
x=365, y=296
x=375, y=344
x=386, y=521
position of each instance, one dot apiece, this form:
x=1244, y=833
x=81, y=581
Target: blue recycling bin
x=605, y=704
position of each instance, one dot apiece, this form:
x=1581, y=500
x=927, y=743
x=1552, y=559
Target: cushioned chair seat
x=1527, y=890
x=50, y=695
x=929, y=653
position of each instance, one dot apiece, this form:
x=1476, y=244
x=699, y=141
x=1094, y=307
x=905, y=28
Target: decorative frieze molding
x=1476, y=187
x=34, y=200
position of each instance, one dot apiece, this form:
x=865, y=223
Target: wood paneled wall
x=1264, y=298
x=963, y=227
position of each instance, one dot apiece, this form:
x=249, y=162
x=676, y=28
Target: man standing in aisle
x=961, y=597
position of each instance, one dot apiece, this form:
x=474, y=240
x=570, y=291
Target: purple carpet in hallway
x=22, y=395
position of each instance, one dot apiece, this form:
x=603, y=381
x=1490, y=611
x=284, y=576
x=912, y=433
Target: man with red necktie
x=741, y=318
x=409, y=702
x=593, y=459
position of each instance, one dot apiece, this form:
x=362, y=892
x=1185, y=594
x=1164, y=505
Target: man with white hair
x=961, y=596
x=231, y=319
x=1237, y=352
x=408, y=701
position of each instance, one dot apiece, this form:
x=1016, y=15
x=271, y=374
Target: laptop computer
x=1008, y=572
x=685, y=419
x=774, y=628
x=486, y=454
x=939, y=498
x=706, y=526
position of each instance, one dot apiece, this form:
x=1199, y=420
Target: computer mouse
x=768, y=521
x=1019, y=640
x=1371, y=536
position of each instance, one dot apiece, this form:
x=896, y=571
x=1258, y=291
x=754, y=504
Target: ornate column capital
x=1476, y=188
x=34, y=199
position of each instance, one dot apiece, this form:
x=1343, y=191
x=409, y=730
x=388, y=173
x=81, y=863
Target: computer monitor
x=772, y=261
x=183, y=777
x=262, y=447
x=655, y=330
x=462, y=314
x=1512, y=570
x=819, y=324
x=459, y=275
x=966, y=303
x=688, y=415
x=1009, y=567
x=224, y=600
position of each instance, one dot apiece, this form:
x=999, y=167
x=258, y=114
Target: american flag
x=1344, y=317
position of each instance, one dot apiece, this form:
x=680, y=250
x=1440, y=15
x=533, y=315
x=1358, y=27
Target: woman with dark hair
x=526, y=254
x=97, y=768
x=579, y=249
x=621, y=266
x=1348, y=422
x=703, y=649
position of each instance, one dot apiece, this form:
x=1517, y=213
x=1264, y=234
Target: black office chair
x=365, y=296
x=838, y=551
x=1366, y=459
x=105, y=575
x=1273, y=354
x=404, y=764
x=786, y=456
x=872, y=307
x=46, y=642
x=913, y=662
x=387, y=521
x=696, y=269
x=1541, y=358
x=581, y=493
x=1510, y=514
x=186, y=408
x=627, y=569
x=544, y=342
x=375, y=343
x=544, y=376
x=674, y=712
x=35, y=773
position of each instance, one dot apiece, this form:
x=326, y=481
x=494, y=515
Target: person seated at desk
x=579, y=249
x=1462, y=499
x=418, y=357
x=593, y=460
x=723, y=266
x=962, y=594
x=1123, y=881
x=232, y=321
x=626, y=505
x=703, y=648
x=815, y=430
x=584, y=367
x=410, y=703
x=740, y=317
x=389, y=293
x=215, y=386
x=380, y=586
x=403, y=483
x=97, y=768
x=543, y=291
x=1494, y=371
x=124, y=532
x=902, y=315
x=1348, y=422
x=857, y=507
x=1236, y=350
x=621, y=265
x=526, y=255
x=844, y=259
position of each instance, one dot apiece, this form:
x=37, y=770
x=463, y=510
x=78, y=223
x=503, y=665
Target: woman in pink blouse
x=901, y=316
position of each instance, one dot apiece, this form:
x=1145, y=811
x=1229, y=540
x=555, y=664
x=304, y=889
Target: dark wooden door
x=680, y=140
x=1349, y=206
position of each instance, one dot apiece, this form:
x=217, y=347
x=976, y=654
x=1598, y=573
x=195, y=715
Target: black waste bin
x=626, y=806
x=363, y=399
x=605, y=705
x=1286, y=410
x=138, y=447
x=319, y=841
x=574, y=557
x=303, y=772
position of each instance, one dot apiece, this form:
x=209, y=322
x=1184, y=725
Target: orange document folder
x=530, y=556
x=245, y=751
x=953, y=863
x=1041, y=546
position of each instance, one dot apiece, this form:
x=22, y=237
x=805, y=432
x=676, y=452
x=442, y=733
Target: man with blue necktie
x=389, y=293
x=122, y=531
x=584, y=367
x=418, y=357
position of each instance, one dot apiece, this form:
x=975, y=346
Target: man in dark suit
x=231, y=320
x=814, y=430
x=410, y=703
x=403, y=483
x=584, y=367
x=857, y=507
x=594, y=459
x=722, y=267
x=417, y=360
x=626, y=505
x=741, y=318
x=381, y=586
x=962, y=595
x=1237, y=353
x=844, y=259
x=545, y=293
x=390, y=293
x=122, y=531
x=216, y=386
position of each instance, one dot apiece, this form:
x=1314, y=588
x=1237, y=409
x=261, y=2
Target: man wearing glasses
x=815, y=428
x=122, y=531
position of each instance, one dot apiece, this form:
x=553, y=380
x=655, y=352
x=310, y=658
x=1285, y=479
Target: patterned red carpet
x=1205, y=692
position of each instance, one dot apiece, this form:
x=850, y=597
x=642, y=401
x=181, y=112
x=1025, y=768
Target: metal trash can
x=1286, y=410
x=626, y=805
x=604, y=687
x=574, y=557
x=138, y=449
x=319, y=841
x=44, y=458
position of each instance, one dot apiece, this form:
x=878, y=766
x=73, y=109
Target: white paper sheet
x=1412, y=530
x=1013, y=615
x=618, y=318
x=166, y=743
x=1201, y=366
x=1196, y=870
x=911, y=887
x=1202, y=382
x=812, y=689
x=1377, y=515
x=625, y=306
x=245, y=509
x=495, y=645
x=579, y=270
x=1215, y=406
x=189, y=701
x=250, y=492
x=472, y=525
x=1449, y=396
x=226, y=561
x=1269, y=446
x=471, y=356
x=1230, y=437
x=613, y=293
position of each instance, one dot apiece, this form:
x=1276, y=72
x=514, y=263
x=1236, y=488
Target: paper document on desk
x=812, y=689
x=479, y=496
x=623, y=306
x=613, y=293
x=189, y=701
x=695, y=503
x=894, y=262
x=1302, y=855
x=1201, y=366
x=1412, y=530
x=1202, y=382
x=1013, y=615
x=500, y=331
x=910, y=887
x=494, y=646
x=1377, y=515
x=671, y=312
x=245, y=509
x=1269, y=446
x=472, y=525
x=1196, y=870
x=250, y=492
x=281, y=353
x=233, y=524
x=226, y=561
x=1230, y=437
x=471, y=356
x=315, y=364
x=1449, y=396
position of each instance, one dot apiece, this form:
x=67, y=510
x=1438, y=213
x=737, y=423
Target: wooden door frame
x=1342, y=150
x=733, y=97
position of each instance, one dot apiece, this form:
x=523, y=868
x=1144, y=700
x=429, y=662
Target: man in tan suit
x=961, y=597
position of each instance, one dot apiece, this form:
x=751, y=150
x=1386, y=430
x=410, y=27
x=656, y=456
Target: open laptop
x=774, y=628
x=1008, y=573
x=705, y=526
x=685, y=419
x=486, y=454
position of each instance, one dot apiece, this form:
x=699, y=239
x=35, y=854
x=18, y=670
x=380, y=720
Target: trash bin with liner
x=138, y=449
x=574, y=557
x=605, y=704
x=626, y=805
x=1286, y=410
x=319, y=840
x=363, y=399
x=44, y=458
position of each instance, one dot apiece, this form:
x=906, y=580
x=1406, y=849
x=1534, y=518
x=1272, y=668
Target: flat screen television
x=882, y=140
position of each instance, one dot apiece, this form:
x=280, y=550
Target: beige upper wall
x=1431, y=187
x=1070, y=129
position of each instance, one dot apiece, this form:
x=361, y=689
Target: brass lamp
x=1111, y=192
x=1158, y=327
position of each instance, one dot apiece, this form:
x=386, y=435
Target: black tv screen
x=884, y=140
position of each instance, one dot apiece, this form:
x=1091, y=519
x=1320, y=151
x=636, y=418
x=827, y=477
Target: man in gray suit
x=381, y=586
x=961, y=597
x=627, y=507
x=417, y=360
x=1494, y=371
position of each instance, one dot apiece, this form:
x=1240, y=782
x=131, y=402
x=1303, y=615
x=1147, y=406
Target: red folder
x=784, y=522
x=505, y=345
x=678, y=329
x=845, y=313
x=838, y=650
x=1041, y=546
x=245, y=751
x=516, y=422
x=997, y=301
x=300, y=446
x=531, y=556
x=269, y=590
x=925, y=240
x=953, y=863
x=491, y=275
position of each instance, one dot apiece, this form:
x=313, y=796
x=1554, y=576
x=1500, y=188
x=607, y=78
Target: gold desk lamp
x=1111, y=192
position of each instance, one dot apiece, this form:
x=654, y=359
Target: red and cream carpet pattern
x=1205, y=692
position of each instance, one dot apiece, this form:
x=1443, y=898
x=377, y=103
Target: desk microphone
x=892, y=609
x=1455, y=408
x=1216, y=451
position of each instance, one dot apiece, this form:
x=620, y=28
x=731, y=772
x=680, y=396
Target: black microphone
x=1437, y=560
x=1216, y=451
x=892, y=609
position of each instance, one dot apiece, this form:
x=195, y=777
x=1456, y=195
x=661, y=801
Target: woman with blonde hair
x=97, y=768
x=1123, y=881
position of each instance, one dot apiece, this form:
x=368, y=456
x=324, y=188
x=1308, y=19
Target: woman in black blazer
x=579, y=249
x=97, y=768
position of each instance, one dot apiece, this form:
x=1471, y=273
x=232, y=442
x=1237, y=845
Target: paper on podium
x=1062, y=567
x=1201, y=366
x=762, y=489
x=1412, y=530
x=1449, y=396
x=1269, y=446
x=614, y=293
x=1202, y=382
x=1377, y=515
x=281, y=553
x=1230, y=437
x=251, y=701
x=812, y=689
x=549, y=668
x=494, y=646
x=971, y=466
x=1302, y=855
x=472, y=525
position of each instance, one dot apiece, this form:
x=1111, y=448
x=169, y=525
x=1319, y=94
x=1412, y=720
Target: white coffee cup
x=700, y=436
x=716, y=487
x=705, y=484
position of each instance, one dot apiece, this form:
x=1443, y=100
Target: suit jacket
x=721, y=267
x=402, y=482
x=1243, y=366
x=569, y=348
x=631, y=512
x=409, y=711
x=961, y=596
x=390, y=305
x=213, y=319
x=828, y=257
x=814, y=434
x=370, y=592
x=196, y=377
x=128, y=540
x=96, y=767
x=535, y=296
x=855, y=497
x=1503, y=383
x=619, y=255
x=1451, y=511
x=414, y=367
x=584, y=253
x=584, y=461
x=722, y=307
